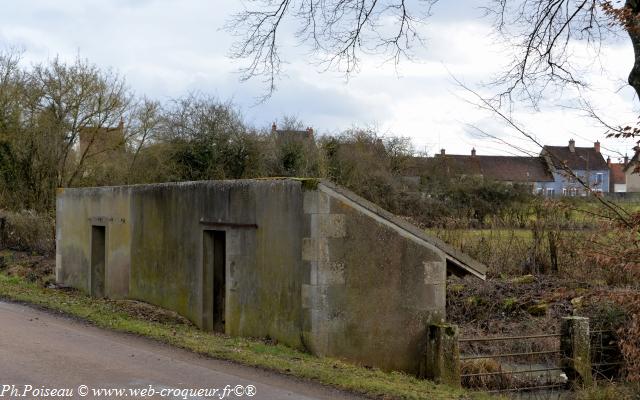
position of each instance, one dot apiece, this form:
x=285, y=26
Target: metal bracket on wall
x=104, y=220
x=100, y=220
x=227, y=224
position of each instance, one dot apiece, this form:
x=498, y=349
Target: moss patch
x=309, y=183
x=116, y=316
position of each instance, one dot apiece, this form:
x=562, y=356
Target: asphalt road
x=49, y=352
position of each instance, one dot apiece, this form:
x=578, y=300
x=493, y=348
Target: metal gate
x=512, y=363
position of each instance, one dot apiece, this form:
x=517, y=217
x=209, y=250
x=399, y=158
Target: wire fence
x=607, y=362
x=509, y=364
x=533, y=366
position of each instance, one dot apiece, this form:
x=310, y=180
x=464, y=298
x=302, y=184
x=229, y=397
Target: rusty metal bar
x=510, y=355
x=510, y=338
x=227, y=224
x=512, y=372
x=522, y=389
x=607, y=364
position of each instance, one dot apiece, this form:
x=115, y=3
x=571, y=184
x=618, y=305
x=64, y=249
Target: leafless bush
x=27, y=231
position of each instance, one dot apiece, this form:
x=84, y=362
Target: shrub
x=27, y=231
x=487, y=382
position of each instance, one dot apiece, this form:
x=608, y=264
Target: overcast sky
x=167, y=48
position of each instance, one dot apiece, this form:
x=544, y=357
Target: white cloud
x=167, y=48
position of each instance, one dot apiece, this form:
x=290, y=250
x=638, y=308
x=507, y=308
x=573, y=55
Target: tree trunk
x=633, y=29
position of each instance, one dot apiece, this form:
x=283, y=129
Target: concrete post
x=575, y=345
x=442, y=358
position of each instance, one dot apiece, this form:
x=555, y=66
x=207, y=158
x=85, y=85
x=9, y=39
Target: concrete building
x=304, y=262
x=632, y=171
x=530, y=171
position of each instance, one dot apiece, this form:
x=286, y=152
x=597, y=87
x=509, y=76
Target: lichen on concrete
x=306, y=264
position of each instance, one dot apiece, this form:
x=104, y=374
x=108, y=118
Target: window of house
x=551, y=192
x=599, y=178
x=564, y=191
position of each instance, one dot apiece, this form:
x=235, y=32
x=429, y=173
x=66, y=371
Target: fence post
x=575, y=345
x=442, y=358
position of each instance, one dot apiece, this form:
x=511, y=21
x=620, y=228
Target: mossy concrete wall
x=155, y=248
x=307, y=263
x=76, y=212
x=371, y=288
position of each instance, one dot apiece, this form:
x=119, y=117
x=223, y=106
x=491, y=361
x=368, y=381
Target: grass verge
x=108, y=314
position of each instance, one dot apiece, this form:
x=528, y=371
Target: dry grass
x=485, y=382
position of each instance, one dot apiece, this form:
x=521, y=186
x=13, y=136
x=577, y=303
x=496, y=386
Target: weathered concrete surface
x=40, y=349
x=306, y=263
x=372, y=289
x=155, y=247
x=76, y=212
x=575, y=346
x=442, y=356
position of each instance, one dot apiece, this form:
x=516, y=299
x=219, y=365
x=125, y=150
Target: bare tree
x=545, y=36
x=147, y=117
x=614, y=211
x=541, y=33
x=337, y=30
x=70, y=99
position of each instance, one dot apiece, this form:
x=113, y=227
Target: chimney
x=442, y=152
x=274, y=127
x=121, y=124
x=626, y=159
x=572, y=146
x=473, y=152
x=310, y=131
x=596, y=146
x=609, y=161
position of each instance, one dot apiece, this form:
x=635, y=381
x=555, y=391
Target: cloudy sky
x=167, y=48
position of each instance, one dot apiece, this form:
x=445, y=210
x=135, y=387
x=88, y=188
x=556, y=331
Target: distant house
x=102, y=142
x=617, y=176
x=291, y=147
x=587, y=163
x=631, y=174
x=507, y=169
x=293, y=134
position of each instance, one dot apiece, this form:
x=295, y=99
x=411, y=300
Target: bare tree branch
x=620, y=214
x=339, y=32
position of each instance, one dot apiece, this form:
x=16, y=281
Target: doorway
x=98, y=260
x=214, y=290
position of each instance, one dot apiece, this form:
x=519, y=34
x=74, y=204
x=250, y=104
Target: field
x=564, y=263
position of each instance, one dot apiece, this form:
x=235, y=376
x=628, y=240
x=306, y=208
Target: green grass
x=279, y=358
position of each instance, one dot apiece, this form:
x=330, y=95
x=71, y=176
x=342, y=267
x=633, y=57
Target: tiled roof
x=500, y=168
x=581, y=159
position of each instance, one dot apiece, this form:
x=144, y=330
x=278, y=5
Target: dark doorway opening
x=214, y=290
x=98, y=260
